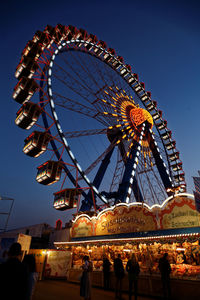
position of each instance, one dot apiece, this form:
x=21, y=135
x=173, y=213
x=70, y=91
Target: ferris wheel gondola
x=87, y=92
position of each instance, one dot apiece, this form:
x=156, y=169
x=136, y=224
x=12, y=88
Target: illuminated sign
x=124, y=219
x=178, y=212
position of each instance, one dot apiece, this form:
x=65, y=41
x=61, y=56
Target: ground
x=62, y=290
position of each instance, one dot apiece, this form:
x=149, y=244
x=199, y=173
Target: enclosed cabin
x=109, y=55
x=50, y=33
x=139, y=88
x=166, y=135
x=117, y=62
x=177, y=167
x=66, y=199
x=82, y=36
x=66, y=31
x=151, y=106
x=90, y=39
x=28, y=115
x=36, y=143
x=132, y=79
x=99, y=49
x=146, y=97
x=162, y=125
x=183, y=187
x=24, y=90
x=157, y=115
x=73, y=32
x=60, y=33
x=41, y=38
x=125, y=70
x=173, y=156
x=49, y=172
x=170, y=145
x=27, y=67
x=179, y=177
x=56, y=34
x=32, y=50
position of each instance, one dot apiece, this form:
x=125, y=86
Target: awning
x=193, y=233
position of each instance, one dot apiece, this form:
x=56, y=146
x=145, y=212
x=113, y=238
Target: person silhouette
x=119, y=275
x=133, y=270
x=86, y=280
x=165, y=270
x=106, y=272
x=14, y=275
x=29, y=262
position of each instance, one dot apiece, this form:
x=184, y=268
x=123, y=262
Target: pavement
x=63, y=290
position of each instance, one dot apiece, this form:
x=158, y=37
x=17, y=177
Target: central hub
x=139, y=116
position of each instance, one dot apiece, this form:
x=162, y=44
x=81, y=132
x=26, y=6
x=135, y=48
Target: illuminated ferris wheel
x=95, y=124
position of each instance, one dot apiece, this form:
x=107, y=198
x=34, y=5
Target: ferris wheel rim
x=56, y=52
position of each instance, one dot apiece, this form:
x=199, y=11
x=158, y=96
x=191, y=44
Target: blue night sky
x=159, y=39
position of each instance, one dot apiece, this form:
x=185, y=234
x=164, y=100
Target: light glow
x=158, y=237
x=135, y=204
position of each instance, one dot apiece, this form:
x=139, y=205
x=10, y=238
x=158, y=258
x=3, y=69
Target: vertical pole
x=129, y=181
x=87, y=203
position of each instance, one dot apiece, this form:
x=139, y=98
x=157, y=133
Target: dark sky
x=159, y=39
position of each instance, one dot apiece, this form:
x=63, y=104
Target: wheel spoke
x=75, y=134
x=117, y=175
x=100, y=158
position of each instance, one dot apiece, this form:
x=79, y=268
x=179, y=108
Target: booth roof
x=136, y=236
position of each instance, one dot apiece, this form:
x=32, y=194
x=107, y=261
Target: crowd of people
x=133, y=270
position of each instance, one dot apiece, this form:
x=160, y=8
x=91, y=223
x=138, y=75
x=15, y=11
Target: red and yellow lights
x=140, y=115
x=129, y=116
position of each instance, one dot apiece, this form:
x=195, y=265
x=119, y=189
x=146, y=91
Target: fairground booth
x=149, y=232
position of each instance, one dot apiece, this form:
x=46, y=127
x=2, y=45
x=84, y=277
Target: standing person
x=14, y=275
x=29, y=262
x=86, y=278
x=133, y=270
x=106, y=272
x=165, y=270
x=119, y=274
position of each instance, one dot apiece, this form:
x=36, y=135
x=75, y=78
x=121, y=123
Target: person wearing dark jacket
x=133, y=270
x=106, y=273
x=14, y=275
x=119, y=275
x=165, y=270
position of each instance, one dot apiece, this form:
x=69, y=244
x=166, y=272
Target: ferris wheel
x=95, y=122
